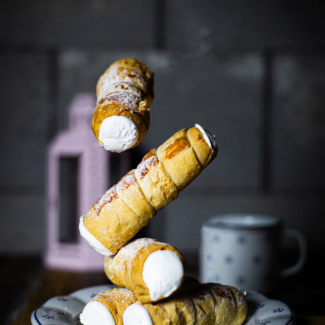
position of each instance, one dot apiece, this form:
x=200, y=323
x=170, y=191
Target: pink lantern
x=77, y=177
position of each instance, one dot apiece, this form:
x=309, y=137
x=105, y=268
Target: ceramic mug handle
x=292, y=233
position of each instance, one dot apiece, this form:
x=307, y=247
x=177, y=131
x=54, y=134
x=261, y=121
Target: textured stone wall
x=251, y=72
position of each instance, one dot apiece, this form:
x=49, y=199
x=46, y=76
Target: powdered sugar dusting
x=119, y=79
x=126, y=181
x=108, y=88
x=145, y=166
x=128, y=253
x=118, y=294
x=117, y=73
x=127, y=100
x=131, y=101
x=106, y=198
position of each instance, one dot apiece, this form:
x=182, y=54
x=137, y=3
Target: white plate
x=65, y=310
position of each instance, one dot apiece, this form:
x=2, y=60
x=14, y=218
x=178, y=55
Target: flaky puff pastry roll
x=128, y=206
x=107, y=307
x=124, y=94
x=195, y=304
x=150, y=269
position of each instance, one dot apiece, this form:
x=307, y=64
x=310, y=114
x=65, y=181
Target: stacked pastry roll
x=124, y=94
x=150, y=274
x=128, y=206
x=150, y=269
x=107, y=308
x=195, y=304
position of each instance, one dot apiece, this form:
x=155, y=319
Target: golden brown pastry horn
x=107, y=307
x=126, y=90
x=195, y=304
x=128, y=206
x=150, y=269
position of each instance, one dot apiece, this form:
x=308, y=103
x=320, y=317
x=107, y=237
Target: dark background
x=251, y=72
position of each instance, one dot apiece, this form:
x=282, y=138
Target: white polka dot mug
x=244, y=251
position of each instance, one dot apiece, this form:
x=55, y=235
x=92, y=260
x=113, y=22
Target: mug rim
x=247, y=221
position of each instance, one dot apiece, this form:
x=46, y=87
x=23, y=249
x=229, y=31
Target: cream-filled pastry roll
x=122, y=115
x=107, y=307
x=150, y=269
x=128, y=206
x=195, y=304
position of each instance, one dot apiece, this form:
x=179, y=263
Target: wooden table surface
x=26, y=285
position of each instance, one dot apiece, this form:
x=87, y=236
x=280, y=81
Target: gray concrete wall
x=251, y=72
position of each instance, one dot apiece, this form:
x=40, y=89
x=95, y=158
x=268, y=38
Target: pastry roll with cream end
x=203, y=143
x=110, y=222
x=195, y=304
x=107, y=307
x=150, y=269
x=186, y=154
x=124, y=94
x=128, y=206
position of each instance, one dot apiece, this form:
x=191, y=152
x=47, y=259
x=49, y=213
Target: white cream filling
x=96, y=313
x=118, y=133
x=210, y=139
x=92, y=241
x=162, y=272
x=136, y=315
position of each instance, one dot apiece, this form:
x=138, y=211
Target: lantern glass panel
x=68, y=211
